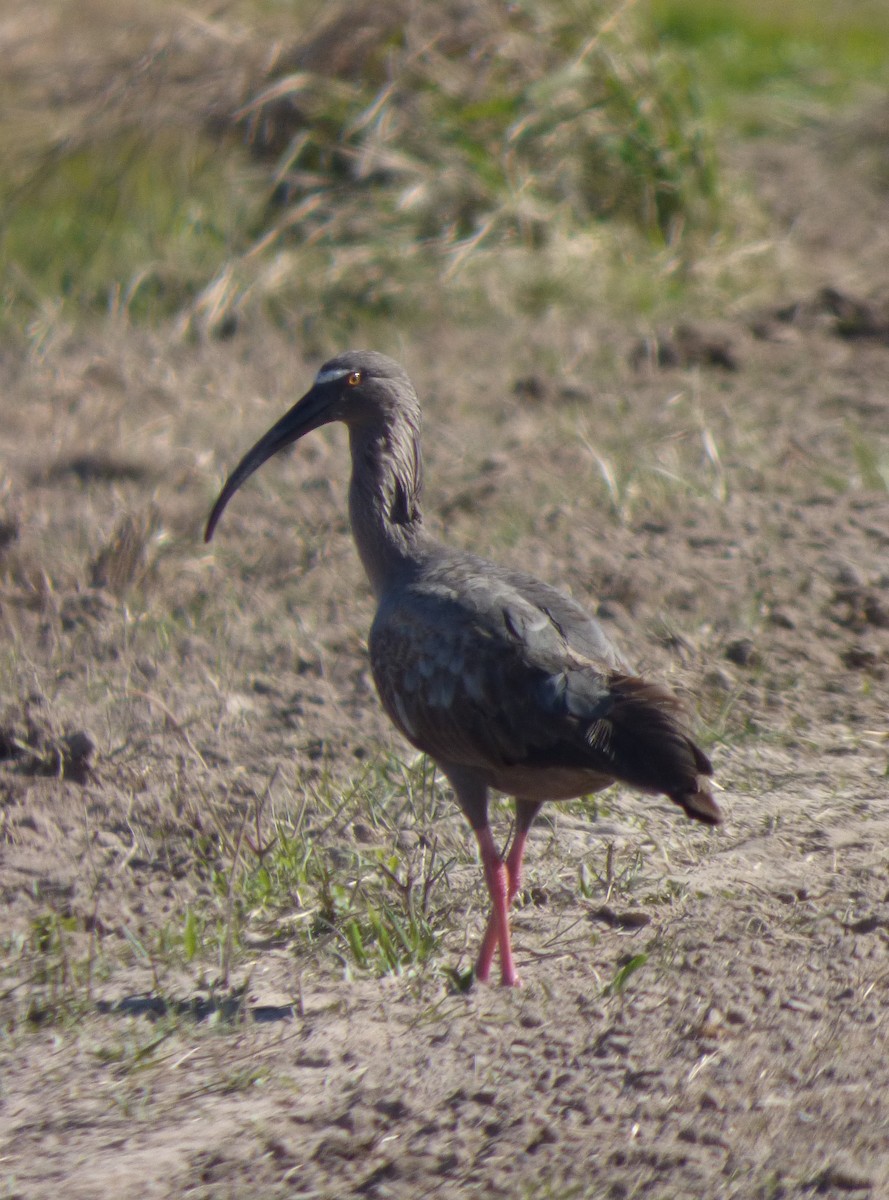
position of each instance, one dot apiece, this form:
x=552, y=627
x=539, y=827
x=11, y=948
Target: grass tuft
x=323, y=887
x=341, y=164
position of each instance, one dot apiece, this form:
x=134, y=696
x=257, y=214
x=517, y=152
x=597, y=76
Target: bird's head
x=361, y=388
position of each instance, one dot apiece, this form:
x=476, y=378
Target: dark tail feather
x=652, y=749
x=699, y=804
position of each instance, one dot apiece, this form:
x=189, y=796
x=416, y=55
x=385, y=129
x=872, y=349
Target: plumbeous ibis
x=503, y=681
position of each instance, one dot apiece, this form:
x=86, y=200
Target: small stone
x=77, y=750
x=531, y=1018
x=847, y=575
x=860, y=658
x=630, y=918
x=742, y=652
x=530, y=387
x=845, y=1178
x=719, y=679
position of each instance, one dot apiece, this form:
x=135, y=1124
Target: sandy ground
x=721, y=494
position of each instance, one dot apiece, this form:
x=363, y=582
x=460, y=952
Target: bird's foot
x=509, y=977
x=493, y=941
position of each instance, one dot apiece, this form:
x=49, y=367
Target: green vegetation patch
x=761, y=66
x=129, y=222
x=377, y=154
x=369, y=163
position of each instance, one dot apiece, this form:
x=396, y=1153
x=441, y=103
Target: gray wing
x=477, y=671
x=581, y=632
x=494, y=670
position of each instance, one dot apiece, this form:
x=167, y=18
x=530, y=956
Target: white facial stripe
x=330, y=376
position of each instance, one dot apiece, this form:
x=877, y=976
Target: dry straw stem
x=221, y=164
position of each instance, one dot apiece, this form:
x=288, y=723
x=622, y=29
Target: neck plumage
x=384, y=498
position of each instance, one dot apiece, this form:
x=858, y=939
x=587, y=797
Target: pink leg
x=509, y=881
x=497, y=879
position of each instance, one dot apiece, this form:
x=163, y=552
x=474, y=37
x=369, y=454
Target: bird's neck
x=384, y=500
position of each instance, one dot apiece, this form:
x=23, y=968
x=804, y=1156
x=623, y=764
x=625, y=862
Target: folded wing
x=498, y=675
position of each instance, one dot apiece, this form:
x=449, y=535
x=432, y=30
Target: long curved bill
x=307, y=414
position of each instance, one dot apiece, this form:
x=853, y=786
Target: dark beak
x=307, y=414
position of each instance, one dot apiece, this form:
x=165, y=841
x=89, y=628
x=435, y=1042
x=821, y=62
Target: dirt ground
x=721, y=493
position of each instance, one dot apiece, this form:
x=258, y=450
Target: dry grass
x=208, y=164
x=249, y=847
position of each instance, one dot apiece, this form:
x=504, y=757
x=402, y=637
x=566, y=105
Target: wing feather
x=479, y=674
x=495, y=671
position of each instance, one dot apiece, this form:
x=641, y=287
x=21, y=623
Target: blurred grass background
x=334, y=167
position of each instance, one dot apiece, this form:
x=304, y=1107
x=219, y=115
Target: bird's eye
x=354, y=379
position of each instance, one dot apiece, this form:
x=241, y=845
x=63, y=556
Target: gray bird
x=503, y=681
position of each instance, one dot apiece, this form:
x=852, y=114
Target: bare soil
x=721, y=494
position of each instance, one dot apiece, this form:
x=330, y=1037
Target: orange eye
x=354, y=379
